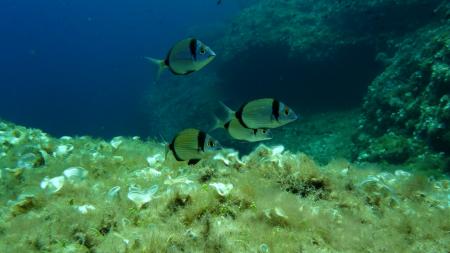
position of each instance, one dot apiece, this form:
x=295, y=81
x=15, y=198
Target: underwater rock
x=221, y=188
x=405, y=110
x=141, y=196
x=318, y=28
x=52, y=185
x=23, y=204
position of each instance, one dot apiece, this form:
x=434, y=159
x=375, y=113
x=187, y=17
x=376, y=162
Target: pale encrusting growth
x=269, y=201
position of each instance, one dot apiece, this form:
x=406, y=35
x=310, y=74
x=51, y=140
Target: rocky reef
x=406, y=113
x=77, y=194
x=390, y=56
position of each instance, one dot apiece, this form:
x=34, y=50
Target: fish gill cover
x=364, y=169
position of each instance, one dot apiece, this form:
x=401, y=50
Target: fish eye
x=211, y=143
x=264, y=131
x=202, y=50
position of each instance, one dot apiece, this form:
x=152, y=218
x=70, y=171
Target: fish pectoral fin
x=193, y=161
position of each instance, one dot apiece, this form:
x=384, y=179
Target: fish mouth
x=212, y=54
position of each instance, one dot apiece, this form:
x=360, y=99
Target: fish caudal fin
x=229, y=112
x=160, y=64
x=217, y=124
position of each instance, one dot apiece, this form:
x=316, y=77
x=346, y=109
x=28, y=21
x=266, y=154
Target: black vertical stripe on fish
x=227, y=125
x=167, y=61
x=193, y=48
x=201, y=140
x=276, y=109
x=239, y=116
x=171, y=147
x=255, y=130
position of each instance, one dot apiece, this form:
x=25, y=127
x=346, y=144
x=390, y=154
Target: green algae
x=280, y=202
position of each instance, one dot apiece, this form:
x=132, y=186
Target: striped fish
x=263, y=113
x=192, y=145
x=186, y=56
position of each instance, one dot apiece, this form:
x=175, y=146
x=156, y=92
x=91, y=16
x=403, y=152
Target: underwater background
x=85, y=123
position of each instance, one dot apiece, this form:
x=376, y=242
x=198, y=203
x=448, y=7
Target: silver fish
x=262, y=113
x=192, y=145
x=185, y=57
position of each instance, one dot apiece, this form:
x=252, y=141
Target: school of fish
x=251, y=122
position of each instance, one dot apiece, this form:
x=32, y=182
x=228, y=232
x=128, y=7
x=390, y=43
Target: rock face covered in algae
x=85, y=195
x=319, y=28
x=406, y=112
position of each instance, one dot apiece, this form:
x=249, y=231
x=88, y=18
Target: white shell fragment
x=117, y=159
x=116, y=141
x=27, y=161
x=222, y=158
x=402, y=173
x=178, y=180
x=52, y=185
x=113, y=193
x=84, y=209
x=156, y=160
x=222, y=189
x=277, y=150
x=276, y=213
x=63, y=150
x=141, y=196
x=75, y=174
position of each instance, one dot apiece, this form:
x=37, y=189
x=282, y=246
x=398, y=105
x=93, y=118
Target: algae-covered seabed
x=272, y=200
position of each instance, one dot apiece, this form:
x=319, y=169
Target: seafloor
x=78, y=194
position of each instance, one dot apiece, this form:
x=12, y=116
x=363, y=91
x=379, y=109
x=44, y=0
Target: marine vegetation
x=271, y=200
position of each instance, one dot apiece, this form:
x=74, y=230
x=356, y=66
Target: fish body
x=185, y=57
x=192, y=145
x=263, y=113
x=239, y=132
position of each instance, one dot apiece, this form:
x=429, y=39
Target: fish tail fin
x=218, y=123
x=160, y=64
x=229, y=112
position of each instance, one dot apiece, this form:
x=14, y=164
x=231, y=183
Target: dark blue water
x=76, y=67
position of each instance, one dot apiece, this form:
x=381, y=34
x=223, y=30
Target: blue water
x=76, y=67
